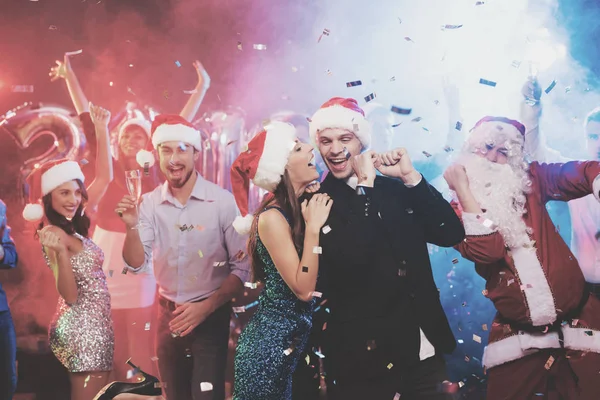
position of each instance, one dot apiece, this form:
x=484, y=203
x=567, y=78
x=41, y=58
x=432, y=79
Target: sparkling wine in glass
x=133, y=179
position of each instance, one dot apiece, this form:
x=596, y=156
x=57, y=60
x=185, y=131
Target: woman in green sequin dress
x=284, y=246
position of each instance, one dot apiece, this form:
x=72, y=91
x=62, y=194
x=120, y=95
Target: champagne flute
x=133, y=180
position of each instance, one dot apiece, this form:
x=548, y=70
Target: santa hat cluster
x=44, y=179
x=344, y=113
x=264, y=164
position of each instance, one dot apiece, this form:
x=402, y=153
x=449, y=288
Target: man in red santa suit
x=545, y=338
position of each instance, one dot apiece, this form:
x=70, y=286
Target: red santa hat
x=45, y=179
x=174, y=128
x=339, y=112
x=491, y=126
x=264, y=164
x=142, y=123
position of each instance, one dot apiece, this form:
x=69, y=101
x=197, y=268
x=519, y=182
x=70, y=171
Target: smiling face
x=331, y=144
x=177, y=160
x=67, y=198
x=301, y=165
x=132, y=140
x=592, y=135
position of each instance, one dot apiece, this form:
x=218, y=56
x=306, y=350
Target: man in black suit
x=386, y=332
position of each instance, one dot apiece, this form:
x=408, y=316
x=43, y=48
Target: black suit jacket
x=375, y=273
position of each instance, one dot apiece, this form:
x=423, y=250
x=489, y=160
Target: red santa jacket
x=538, y=290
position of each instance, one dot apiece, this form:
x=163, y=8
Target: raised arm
x=63, y=70
x=54, y=241
x=567, y=181
x=193, y=104
x=104, y=164
x=483, y=243
x=531, y=110
x=300, y=274
x=8, y=252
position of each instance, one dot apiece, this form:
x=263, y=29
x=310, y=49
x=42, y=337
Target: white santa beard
x=500, y=191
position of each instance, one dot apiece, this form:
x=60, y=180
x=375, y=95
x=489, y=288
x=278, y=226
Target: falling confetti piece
x=476, y=338
x=458, y=126
x=396, y=125
x=393, y=79
x=370, y=97
x=527, y=286
x=130, y=91
x=147, y=326
x=399, y=20
x=401, y=111
x=425, y=129
x=328, y=71
x=448, y=149
x=219, y=263
x=401, y=272
x=549, y=88
x=426, y=154
x=251, y=285
x=87, y=379
x=124, y=271
x=567, y=89
x=549, y=363
x=22, y=88
x=166, y=94
x=353, y=83
x=73, y=53
x=52, y=27
x=486, y=82
x=467, y=358
x=239, y=310
x=589, y=333
x=325, y=33
x=371, y=345
x=110, y=273
x=408, y=39
x=200, y=254
x=259, y=46
x=307, y=359
x=326, y=229
x=190, y=91
x=484, y=327
x=444, y=27
x=305, y=269
x=397, y=396
x=317, y=250
x=178, y=63
x=390, y=365
x=416, y=119
x=516, y=64
x=317, y=294
x=110, y=84
x=455, y=261
x=206, y=386
x=287, y=352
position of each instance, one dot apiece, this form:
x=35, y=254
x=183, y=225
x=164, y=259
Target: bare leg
x=85, y=385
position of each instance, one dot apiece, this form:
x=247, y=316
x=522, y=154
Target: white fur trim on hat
x=59, y=174
x=176, y=133
x=33, y=212
x=490, y=129
x=337, y=116
x=242, y=225
x=142, y=123
x=280, y=140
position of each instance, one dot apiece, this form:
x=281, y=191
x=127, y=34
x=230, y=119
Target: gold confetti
x=200, y=253
x=390, y=365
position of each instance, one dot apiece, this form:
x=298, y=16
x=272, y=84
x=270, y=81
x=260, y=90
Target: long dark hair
x=80, y=222
x=284, y=197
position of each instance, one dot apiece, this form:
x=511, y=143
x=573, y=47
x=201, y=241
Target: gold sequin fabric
x=81, y=334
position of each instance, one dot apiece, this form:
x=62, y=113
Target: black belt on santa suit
x=593, y=288
x=556, y=326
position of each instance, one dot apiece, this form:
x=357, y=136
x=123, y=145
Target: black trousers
x=200, y=357
x=8, y=356
x=422, y=381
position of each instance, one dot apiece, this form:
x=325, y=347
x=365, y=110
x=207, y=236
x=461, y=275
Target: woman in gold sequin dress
x=80, y=334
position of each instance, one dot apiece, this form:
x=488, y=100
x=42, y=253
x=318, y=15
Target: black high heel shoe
x=150, y=386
